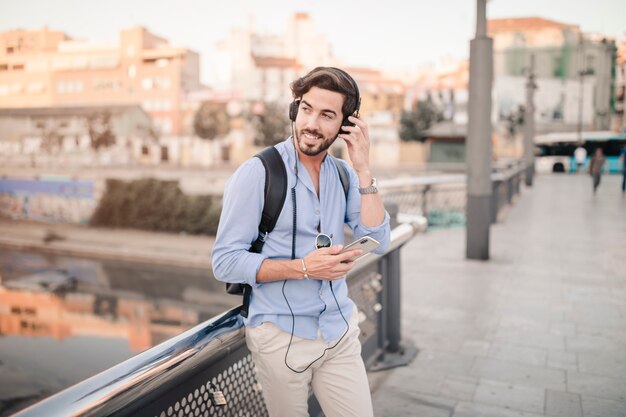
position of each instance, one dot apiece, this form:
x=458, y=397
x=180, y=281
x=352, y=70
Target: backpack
x=275, y=193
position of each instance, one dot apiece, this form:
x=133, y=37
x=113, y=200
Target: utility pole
x=581, y=86
x=479, y=187
x=529, y=123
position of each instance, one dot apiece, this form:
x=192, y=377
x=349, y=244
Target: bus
x=554, y=152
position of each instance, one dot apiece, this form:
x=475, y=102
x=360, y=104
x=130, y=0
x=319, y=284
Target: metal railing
x=442, y=199
x=176, y=378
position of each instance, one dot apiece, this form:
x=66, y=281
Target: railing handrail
x=504, y=172
x=120, y=385
x=511, y=171
x=116, y=386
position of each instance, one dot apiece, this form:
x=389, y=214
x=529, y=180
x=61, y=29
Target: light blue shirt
x=312, y=301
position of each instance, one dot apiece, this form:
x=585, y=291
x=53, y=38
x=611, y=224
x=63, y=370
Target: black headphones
x=295, y=105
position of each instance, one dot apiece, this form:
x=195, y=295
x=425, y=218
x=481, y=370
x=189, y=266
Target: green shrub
x=156, y=205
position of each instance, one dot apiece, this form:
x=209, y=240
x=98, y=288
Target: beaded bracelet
x=304, y=270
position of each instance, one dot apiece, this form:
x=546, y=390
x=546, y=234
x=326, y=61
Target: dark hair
x=328, y=78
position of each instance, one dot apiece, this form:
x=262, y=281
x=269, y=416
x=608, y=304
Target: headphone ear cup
x=293, y=110
x=347, y=122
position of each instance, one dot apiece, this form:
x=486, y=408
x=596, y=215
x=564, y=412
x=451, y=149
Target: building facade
x=45, y=68
x=574, y=72
x=259, y=67
x=69, y=136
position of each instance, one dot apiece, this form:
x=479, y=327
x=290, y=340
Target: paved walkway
x=539, y=330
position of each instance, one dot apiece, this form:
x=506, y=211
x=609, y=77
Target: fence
x=442, y=199
x=176, y=377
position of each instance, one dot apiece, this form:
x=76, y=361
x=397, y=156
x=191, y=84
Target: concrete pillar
x=479, y=188
x=529, y=123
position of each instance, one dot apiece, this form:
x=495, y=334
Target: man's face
x=318, y=121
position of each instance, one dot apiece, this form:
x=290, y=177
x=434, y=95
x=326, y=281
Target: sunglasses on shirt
x=323, y=241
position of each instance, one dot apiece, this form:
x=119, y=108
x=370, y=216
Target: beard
x=321, y=143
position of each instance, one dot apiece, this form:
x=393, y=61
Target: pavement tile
x=562, y=328
x=597, y=386
x=535, y=339
x=562, y=360
x=592, y=343
x=422, y=381
x=452, y=363
x=468, y=409
x=406, y=403
x=459, y=387
x=607, y=363
x=523, y=323
x=599, y=407
x=509, y=396
x=518, y=374
x=563, y=404
x=516, y=353
x=476, y=348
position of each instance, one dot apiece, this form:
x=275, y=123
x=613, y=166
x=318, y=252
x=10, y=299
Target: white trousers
x=338, y=379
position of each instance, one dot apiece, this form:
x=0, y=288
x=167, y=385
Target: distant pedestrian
x=596, y=165
x=580, y=155
x=622, y=158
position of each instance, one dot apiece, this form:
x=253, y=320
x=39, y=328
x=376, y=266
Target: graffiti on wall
x=51, y=200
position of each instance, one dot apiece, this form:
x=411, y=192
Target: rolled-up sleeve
x=239, y=225
x=382, y=232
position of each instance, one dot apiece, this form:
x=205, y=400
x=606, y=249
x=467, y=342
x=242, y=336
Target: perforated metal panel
x=240, y=388
x=364, y=292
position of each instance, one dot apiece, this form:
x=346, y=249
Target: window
x=590, y=65
x=157, y=83
x=36, y=87
x=147, y=83
x=110, y=85
x=17, y=88
x=69, y=86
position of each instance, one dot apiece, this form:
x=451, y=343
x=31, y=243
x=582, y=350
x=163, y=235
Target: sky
x=382, y=34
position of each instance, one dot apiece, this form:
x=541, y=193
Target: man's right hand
x=329, y=263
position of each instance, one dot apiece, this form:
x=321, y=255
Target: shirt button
x=317, y=212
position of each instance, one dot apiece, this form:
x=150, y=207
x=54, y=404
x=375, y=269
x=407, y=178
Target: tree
x=515, y=120
x=100, y=130
x=271, y=124
x=51, y=137
x=211, y=120
x=414, y=124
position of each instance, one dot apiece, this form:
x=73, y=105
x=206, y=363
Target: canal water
x=64, y=319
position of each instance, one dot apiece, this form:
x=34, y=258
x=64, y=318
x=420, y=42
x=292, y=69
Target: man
x=580, y=156
x=622, y=158
x=302, y=328
x=596, y=165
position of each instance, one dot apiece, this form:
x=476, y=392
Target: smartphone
x=366, y=244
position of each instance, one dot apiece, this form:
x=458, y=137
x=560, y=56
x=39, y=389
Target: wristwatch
x=372, y=189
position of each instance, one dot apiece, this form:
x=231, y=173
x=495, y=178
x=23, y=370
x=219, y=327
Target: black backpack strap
x=274, y=199
x=344, y=176
x=275, y=193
